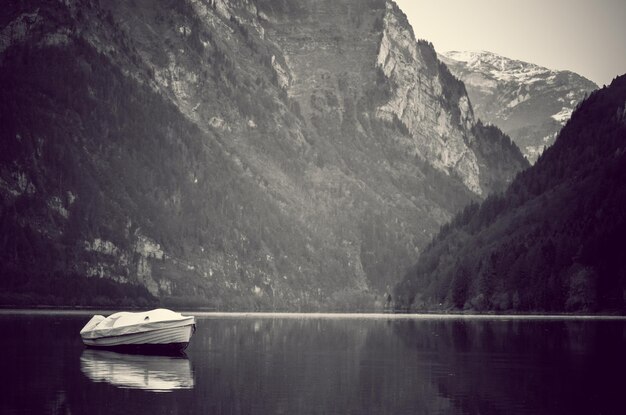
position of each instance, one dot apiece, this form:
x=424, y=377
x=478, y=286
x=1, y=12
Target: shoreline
x=324, y=315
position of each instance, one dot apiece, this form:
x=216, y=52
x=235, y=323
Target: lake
x=294, y=364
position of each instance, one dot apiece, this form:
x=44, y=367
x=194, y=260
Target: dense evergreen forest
x=57, y=289
x=553, y=241
x=66, y=114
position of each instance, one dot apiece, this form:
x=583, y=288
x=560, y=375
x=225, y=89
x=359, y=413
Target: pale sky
x=584, y=36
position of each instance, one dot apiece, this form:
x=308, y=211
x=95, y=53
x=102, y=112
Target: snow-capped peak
x=527, y=101
x=500, y=67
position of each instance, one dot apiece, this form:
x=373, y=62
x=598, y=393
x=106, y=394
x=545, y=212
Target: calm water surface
x=293, y=365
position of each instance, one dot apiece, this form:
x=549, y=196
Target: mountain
x=230, y=153
x=528, y=102
x=553, y=241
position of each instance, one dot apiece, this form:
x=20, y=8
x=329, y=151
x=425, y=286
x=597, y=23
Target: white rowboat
x=156, y=330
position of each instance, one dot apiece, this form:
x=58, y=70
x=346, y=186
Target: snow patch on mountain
x=563, y=115
x=518, y=100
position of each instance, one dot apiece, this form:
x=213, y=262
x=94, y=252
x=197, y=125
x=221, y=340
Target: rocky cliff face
x=528, y=102
x=433, y=106
x=239, y=153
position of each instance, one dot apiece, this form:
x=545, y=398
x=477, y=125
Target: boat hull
x=167, y=339
x=166, y=349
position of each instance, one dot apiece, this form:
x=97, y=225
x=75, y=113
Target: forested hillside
x=554, y=241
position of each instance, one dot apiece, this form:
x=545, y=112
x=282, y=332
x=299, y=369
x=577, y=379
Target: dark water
x=264, y=365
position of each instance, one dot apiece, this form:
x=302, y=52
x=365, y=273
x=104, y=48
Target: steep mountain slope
x=528, y=102
x=235, y=153
x=553, y=241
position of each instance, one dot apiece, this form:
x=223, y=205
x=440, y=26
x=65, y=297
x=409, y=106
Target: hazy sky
x=584, y=36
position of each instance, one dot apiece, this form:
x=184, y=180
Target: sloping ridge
x=553, y=241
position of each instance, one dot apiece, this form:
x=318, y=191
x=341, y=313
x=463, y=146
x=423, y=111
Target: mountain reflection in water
x=135, y=371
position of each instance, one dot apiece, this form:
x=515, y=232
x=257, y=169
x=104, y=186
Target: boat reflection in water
x=134, y=371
